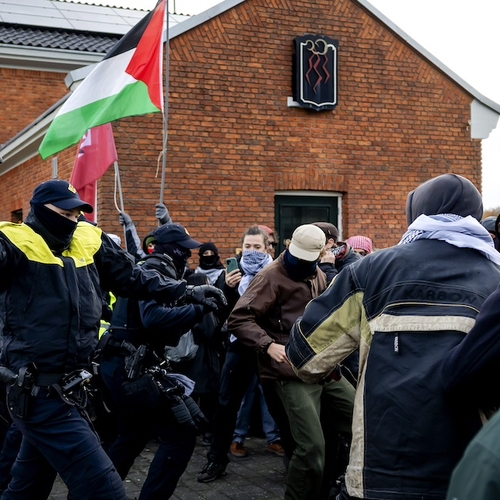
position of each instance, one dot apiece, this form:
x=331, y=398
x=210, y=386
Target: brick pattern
x=232, y=140
x=24, y=96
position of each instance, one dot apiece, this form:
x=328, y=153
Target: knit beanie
x=360, y=243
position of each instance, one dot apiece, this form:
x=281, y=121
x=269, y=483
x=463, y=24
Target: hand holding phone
x=231, y=264
x=339, y=251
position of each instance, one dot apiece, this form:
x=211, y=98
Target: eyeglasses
x=273, y=244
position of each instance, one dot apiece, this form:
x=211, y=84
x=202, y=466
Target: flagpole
x=165, y=104
x=120, y=194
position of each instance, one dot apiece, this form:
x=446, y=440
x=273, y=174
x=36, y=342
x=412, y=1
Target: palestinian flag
x=127, y=82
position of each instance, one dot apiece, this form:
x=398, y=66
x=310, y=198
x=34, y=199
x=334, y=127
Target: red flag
x=96, y=152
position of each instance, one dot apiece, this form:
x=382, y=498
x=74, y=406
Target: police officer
x=157, y=325
x=52, y=268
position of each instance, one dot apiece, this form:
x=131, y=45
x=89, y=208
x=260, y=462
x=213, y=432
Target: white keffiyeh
x=462, y=232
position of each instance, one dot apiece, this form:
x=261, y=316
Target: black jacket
x=53, y=303
x=406, y=308
x=150, y=322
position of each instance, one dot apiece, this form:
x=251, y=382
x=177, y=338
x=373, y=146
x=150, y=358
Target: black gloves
x=207, y=295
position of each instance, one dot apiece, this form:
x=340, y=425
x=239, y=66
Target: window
x=295, y=209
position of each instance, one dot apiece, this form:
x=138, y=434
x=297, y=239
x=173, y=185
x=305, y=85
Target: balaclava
x=178, y=253
x=209, y=261
x=55, y=229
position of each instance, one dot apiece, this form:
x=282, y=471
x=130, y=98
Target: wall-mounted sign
x=315, y=68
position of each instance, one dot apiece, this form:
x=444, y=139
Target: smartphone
x=231, y=264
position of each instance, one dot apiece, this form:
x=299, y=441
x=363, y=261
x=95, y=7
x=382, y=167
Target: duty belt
x=46, y=379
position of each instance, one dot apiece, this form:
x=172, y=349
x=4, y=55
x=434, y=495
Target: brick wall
x=232, y=140
x=24, y=96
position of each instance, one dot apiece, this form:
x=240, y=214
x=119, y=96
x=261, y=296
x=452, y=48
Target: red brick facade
x=24, y=96
x=233, y=141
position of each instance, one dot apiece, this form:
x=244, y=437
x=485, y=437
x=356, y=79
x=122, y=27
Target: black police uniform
x=147, y=322
x=52, y=312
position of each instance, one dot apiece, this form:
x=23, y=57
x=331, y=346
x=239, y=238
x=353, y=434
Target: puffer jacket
x=53, y=303
x=268, y=309
x=405, y=307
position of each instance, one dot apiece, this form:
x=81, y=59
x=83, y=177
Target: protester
x=210, y=264
x=240, y=362
x=134, y=245
x=491, y=225
x=262, y=319
x=406, y=307
x=337, y=254
x=52, y=269
x=204, y=368
x=476, y=475
x=243, y=419
x=272, y=238
x=361, y=245
x=470, y=375
x=255, y=395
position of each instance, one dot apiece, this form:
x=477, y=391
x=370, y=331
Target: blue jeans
x=57, y=439
x=244, y=415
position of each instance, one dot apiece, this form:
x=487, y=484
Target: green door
x=293, y=211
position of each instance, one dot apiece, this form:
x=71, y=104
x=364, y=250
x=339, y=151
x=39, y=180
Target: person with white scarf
x=406, y=308
x=210, y=264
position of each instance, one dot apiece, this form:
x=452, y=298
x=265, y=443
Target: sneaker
x=276, y=448
x=238, y=450
x=211, y=471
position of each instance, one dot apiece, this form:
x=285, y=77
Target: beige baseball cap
x=307, y=242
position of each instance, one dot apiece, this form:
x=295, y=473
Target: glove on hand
x=207, y=295
x=124, y=219
x=161, y=213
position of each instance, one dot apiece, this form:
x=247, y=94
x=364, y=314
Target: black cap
x=60, y=194
x=174, y=233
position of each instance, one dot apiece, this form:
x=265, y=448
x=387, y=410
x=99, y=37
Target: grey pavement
x=260, y=475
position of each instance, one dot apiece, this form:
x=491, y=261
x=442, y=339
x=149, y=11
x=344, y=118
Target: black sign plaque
x=315, y=77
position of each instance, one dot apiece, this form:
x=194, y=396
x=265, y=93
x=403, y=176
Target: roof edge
x=174, y=31
x=425, y=53
x=202, y=17
x=45, y=59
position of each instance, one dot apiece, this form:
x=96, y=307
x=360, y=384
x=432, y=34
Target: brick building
x=240, y=150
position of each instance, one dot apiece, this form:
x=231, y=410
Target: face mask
x=178, y=254
x=297, y=269
x=208, y=261
x=54, y=228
